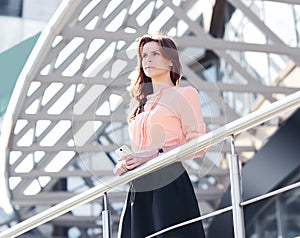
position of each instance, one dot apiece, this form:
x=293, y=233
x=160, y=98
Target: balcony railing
x=227, y=131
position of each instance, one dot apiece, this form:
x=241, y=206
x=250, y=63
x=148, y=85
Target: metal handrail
x=235, y=127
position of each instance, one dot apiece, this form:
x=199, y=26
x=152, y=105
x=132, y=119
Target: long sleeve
x=193, y=125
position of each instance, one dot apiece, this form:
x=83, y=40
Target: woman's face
x=154, y=63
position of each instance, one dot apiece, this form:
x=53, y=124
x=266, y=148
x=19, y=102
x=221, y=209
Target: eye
x=144, y=55
x=156, y=53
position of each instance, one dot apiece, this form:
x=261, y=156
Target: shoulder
x=187, y=91
x=180, y=95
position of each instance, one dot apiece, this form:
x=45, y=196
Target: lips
x=150, y=67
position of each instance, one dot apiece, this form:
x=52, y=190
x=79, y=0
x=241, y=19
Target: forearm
x=195, y=155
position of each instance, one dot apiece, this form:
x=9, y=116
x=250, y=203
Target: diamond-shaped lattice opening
x=38, y=155
x=120, y=44
x=94, y=46
x=115, y=101
x=58, y=39
x=33, y=108
x=145, y=15
x=104, y=109
x=68, y=50
x=46, y=70
x=36, y=185
x=131, y=50
x=41, y=126
x=33, y=188
x=182, y=28
x=80, y=87
x=26, y=165
x=14, y=156
x=71, y=143
x=117, y=68
x=44, y=180
x=176, y=2
x=109, y=105
x=63, y=102
x=161, y=20
x=110, y=8
x=88, y=99
x=92, y=24
x=135, y=5
x=50, y=92
x=130, y=30
x=197, y=10
x=56, y=133
x=133, y=75
x=74, y=66
x=117, y=22
x=27, y=139
x=21, y=123
x=59, y=161
x=14, y=182
x=86, y=132
x=88, y=8
x=33, y=87
x=102, y=60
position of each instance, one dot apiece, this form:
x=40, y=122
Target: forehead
x=151, y=46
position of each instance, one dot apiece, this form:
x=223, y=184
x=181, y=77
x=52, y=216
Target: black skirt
x=160, y=200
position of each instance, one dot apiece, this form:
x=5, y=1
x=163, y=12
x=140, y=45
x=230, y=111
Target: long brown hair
x=142, y=86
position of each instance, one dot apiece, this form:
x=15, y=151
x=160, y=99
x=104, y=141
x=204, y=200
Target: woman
x=163, y=116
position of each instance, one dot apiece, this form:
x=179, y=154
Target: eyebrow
x=143, y=52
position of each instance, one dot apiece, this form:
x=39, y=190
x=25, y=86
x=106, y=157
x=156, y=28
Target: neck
x=157, y=87
x=161, y=85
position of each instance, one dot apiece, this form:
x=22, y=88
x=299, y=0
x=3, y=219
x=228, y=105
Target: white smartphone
x=123, y=150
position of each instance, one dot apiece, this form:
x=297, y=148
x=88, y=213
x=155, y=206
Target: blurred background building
x=65, y=71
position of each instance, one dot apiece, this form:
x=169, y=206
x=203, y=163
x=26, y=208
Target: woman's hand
x=134, y=160
x=120, y=168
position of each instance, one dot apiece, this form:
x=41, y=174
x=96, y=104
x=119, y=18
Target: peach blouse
x=171, y=117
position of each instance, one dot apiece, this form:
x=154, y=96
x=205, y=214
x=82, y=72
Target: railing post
x=236, y=193
x=107, y=231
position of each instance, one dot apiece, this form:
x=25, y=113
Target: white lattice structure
x=68, y=111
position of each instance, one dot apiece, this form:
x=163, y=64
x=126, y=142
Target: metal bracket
x=106, y=219
x=236, y=193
